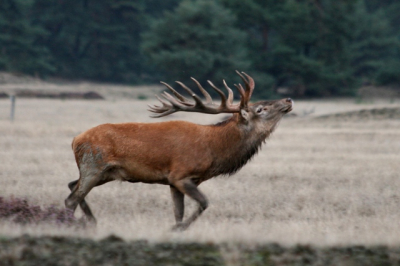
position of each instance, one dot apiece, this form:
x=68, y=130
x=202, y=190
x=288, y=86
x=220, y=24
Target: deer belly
x=135, y=172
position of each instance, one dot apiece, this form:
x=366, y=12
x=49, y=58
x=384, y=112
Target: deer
x=179, y=154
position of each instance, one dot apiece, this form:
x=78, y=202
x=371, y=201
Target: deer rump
x=175, y=153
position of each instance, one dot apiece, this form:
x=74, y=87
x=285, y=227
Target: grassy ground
x=318, y=180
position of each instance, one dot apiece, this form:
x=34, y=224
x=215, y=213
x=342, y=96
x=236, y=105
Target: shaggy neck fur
x=251, y=136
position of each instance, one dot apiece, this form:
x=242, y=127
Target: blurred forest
x=310, y=47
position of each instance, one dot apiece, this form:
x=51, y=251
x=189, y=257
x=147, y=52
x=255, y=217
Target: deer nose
x=289, y=100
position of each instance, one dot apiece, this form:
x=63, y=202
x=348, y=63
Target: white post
x=12, y=98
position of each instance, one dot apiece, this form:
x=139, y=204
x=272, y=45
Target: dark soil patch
x=366, y=114
x=27, y=250
x=90, y=95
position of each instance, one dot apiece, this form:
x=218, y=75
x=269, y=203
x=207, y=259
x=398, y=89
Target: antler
x=245, y=95
x=180, y=103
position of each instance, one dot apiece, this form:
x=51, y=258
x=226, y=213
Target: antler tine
x=177, y=94
x=196, y=98
x=174, y=102
x=250, y=84
x=243, y=102
x=221, y=94
x=168, y=112
x=159, y=109
x=164, y=103
x=249, y=87
x=230, y=92
x=205, y=93
x=163, y=110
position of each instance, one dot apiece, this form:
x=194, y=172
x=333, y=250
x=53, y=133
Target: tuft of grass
x=361, y=100
x=142, y=97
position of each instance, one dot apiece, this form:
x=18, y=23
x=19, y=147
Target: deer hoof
x=179, y=227
x=91, y=220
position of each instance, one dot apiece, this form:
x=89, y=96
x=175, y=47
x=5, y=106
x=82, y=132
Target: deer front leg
x=188, y=187
x=179, y=205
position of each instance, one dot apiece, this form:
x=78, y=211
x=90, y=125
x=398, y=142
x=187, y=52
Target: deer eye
x=259, y=109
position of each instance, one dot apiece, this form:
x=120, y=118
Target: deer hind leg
x=189, y=188
x=80, y=188
x=84, y=206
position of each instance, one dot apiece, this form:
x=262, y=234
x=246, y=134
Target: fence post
x=12, y=98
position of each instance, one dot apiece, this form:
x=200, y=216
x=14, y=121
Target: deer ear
x=245, y=114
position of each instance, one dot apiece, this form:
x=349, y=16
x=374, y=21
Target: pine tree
x=198, y=39
x=384, y=14
x=20, y=51
x=93, y=39
x=373, y=47
x=299, y=44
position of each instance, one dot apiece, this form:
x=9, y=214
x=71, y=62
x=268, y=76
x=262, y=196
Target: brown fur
x=175, y=153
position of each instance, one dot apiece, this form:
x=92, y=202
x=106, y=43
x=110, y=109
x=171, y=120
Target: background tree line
x=313, y=47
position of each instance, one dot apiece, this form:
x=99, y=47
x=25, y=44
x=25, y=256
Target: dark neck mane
x=239, y=157
x=235, y=163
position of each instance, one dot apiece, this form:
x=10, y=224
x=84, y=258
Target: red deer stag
x=179, y=154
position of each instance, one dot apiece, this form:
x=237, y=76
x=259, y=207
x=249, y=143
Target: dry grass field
x=320, y=179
